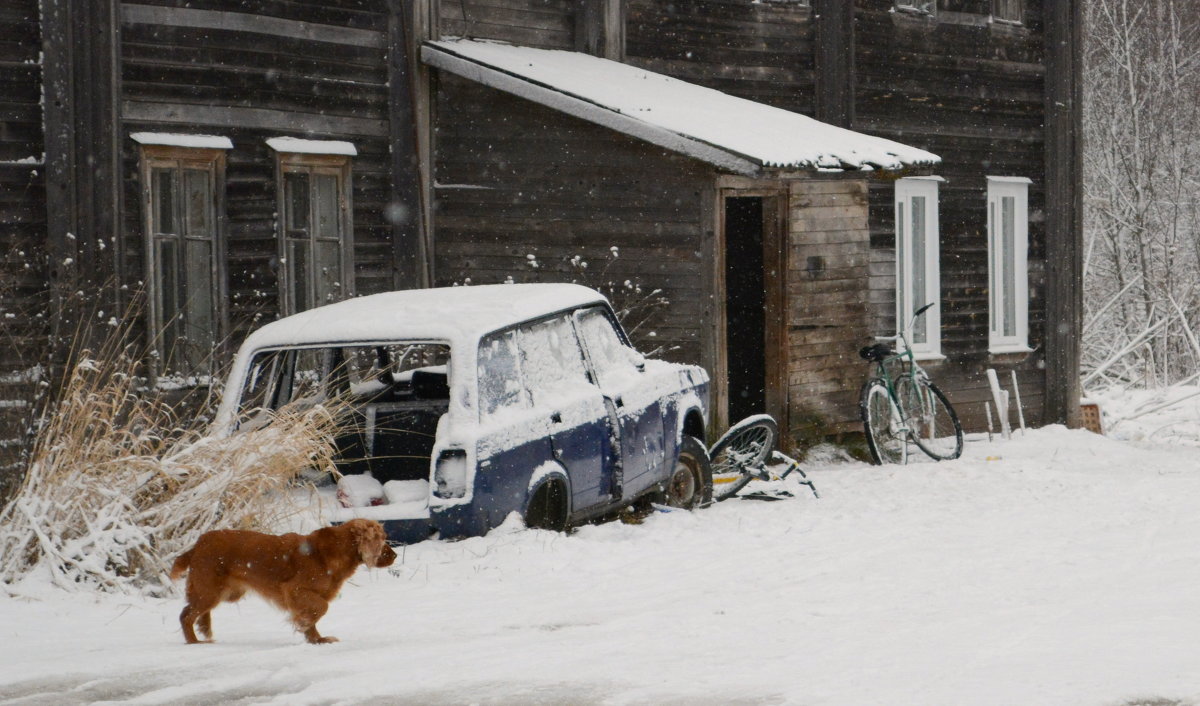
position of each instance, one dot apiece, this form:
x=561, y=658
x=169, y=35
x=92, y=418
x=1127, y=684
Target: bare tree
x=1142, y=186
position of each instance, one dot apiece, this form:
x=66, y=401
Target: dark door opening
x=745, y=307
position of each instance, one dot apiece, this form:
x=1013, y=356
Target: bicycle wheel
x=883, y=427
x=741, y=449
x=932, y=423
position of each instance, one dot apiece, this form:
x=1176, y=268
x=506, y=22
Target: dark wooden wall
x=547, y=24
x=517, y=179
x=23, y=284
x=313, y=69
x=973, y=94
x=761, y=51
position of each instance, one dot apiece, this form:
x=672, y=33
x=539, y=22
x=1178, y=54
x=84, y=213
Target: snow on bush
x=118, y=484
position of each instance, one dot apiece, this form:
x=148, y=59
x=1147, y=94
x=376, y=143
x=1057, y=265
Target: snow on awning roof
x=729, y=132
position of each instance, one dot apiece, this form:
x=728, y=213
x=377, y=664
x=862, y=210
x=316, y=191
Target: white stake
x=1017, y=394
x=987, y=407
x=1001, y=401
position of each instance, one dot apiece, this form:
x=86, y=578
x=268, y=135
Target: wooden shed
x=753, y=220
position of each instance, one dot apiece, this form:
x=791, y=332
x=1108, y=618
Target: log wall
x=23, y=281
x=971, y=92
x=310, y=69
x=523, y=190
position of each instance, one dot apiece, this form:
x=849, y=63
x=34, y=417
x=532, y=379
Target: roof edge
x=441, y=58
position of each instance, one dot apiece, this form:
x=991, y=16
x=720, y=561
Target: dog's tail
x=181, y=565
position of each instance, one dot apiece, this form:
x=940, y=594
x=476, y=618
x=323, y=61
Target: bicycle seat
x=876, y=353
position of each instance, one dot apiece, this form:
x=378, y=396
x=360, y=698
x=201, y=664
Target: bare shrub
x=119, y=483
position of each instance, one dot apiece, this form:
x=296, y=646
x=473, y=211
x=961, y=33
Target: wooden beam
x=405, y=213
x=834, y=61
x=260, y=118
x=252, y=23
x=82, y=81
x=1064, y=210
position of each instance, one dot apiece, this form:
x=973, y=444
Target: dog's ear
x=370, y=539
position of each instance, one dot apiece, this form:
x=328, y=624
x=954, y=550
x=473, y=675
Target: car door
x=632, y=403
x=572, y=407
x=513, y=438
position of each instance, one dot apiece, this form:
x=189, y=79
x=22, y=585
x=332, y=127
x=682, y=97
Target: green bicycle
x=900, y=404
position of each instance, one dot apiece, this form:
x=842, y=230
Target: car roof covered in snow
x=452, y=314
x=732, y=133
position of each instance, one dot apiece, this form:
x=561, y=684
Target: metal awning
x=731, y=133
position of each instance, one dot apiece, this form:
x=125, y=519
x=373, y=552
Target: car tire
x=690, y=485
x=547, y=508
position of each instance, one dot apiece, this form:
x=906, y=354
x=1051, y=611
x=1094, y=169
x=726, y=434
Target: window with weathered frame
x=918, y=279
x=1010, y=11
x=1008, y=279
x=315, y=241
x=925, y=7
x=181, y=190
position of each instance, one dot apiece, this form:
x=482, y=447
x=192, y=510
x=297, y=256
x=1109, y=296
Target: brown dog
x=299, y=573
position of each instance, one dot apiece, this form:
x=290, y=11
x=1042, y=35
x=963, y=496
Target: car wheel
x=690, y=484
x=548, y=507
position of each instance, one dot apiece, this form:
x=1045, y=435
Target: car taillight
x=450, y=474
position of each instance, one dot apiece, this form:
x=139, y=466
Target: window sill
x=1019, y=349
x=928, y=357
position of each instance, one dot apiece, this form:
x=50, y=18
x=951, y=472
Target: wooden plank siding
x=23, y=278
x=973, y=94
x=827, y=294
x=760, y=51
x=516, y=179
x=308, y=69
x=546, y=24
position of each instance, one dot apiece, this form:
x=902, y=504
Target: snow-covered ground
x=1056, y=568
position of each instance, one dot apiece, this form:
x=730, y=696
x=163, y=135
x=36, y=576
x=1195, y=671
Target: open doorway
x=745, y=302
x=755, y=375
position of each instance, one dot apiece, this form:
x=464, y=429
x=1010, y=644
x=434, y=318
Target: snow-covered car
x=472, y=403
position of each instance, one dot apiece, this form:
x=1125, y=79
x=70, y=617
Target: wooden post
x=1064, y=210
x=405, y=212
x=80, y=46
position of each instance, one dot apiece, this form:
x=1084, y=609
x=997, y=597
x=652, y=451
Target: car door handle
x=556, y=417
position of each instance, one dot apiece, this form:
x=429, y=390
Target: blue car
x=474, y=403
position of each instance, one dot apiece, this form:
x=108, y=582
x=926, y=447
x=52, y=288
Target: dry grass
x=118, y=484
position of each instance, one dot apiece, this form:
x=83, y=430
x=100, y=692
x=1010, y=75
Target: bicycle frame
x=912, y=370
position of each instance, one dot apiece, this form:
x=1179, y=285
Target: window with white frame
x=181, y=187
x=1008, y=11
x=315, y=242
x=1008, y=278
x=924, y=7
x=918, y=279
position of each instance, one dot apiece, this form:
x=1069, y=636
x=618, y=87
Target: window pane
x=199, y=320
x=993, y=268
x=500, y=385
x=1008, y=260
x=901, y=267
x=199, y=202
x=298, y=281
x=327, y=206
x=170, y=316
x=163, y=198
x=553, y=362
x=329, y=272
x=919, y=299
x=614, y=361
x=295, y=195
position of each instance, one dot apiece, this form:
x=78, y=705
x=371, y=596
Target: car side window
x=552, y=361
x=499, y=375
x=612, y=358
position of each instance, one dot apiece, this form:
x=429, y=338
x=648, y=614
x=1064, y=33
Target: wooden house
x=238, y=163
